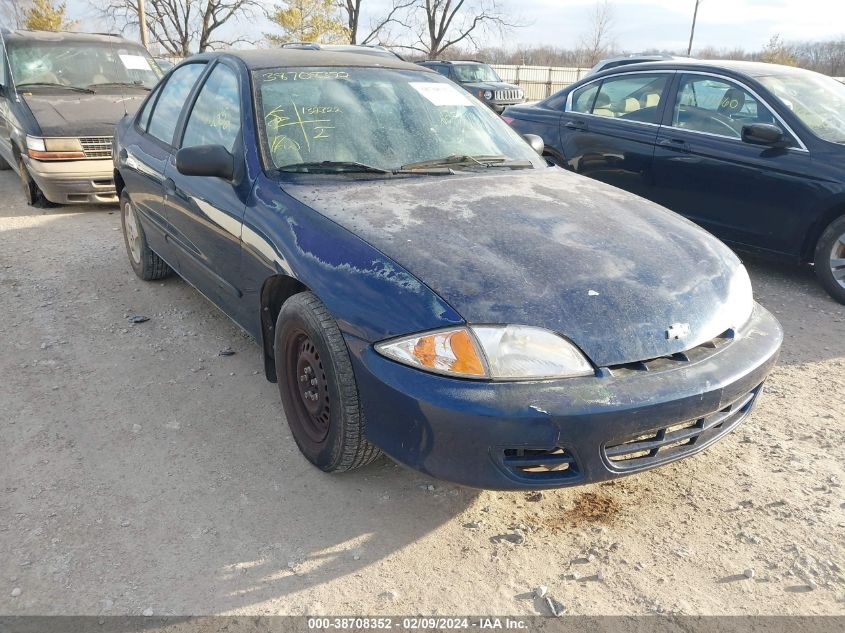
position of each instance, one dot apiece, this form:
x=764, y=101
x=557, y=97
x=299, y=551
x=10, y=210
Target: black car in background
x=754, y=153
x=480, y=80
x=61, y=95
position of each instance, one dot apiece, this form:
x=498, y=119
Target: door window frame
x=188, y=109
x=667, y=91
x=670, y=113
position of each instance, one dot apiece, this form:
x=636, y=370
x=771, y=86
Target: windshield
x=475, y=73
x=84, y=65
x=817, y=100
x=377, y=117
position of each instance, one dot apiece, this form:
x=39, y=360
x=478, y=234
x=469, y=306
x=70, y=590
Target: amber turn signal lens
x=450, y=351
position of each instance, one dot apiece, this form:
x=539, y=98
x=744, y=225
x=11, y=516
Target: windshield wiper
x=493, y=160
x=121, y=84
x=334, y=166
x=49, y=84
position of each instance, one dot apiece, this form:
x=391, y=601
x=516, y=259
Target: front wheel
x=31, y=191
x=318, y=388
x=830, y=259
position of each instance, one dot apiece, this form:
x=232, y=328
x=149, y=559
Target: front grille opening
x=676, y=440
x=545, y=465
x=672, y=361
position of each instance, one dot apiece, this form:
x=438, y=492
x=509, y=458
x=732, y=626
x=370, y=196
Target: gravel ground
x=141, y=472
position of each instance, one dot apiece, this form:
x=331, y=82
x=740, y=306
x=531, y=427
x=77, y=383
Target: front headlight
x=491, y=352
x=55, y=148
x=740, y=303
x=487, y=94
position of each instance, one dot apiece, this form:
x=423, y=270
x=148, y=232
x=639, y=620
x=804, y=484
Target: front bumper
x=500, y=106
x=74, y=181
x=492, y=435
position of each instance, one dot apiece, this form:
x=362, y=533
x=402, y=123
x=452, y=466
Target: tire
x=146, y=264
x=830, y=259
x=31, y=191
x=318, y=388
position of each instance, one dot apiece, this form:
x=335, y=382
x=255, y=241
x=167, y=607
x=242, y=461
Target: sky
x=637, y=24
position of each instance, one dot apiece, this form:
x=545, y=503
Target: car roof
x=752, y=69
x=301, y=57
x=55, y=36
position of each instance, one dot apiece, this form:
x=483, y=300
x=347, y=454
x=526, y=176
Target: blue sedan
x=423, y=284
x=754, y=153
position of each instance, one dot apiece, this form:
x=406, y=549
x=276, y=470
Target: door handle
x=122, y=155
x=579, y=126
x=675, y=144
x=169, y=187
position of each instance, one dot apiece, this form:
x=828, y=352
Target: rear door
x=749, y=195
x=610, y=125
x=206, y=213
x=145, y=153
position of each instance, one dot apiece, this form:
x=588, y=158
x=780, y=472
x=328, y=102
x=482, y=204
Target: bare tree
x=598, y=40
x=179, y=26
x=442, y=24
x=352, y=11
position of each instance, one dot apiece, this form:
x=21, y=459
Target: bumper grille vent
x=672, y=442
x=695, y=354
x=96, y=146
x=540, y=465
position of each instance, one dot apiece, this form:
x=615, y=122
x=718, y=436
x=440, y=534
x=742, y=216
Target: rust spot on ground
x=588, y=508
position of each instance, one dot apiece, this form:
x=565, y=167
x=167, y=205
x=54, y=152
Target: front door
x=206, y=214
x=748, y=195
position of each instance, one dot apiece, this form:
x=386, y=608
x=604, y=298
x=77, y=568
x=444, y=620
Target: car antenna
x=122, y=90
x=11, y=78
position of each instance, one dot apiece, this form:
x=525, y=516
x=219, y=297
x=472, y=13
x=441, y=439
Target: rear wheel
x=146, y=264
x=34, y=196
x=830, y=259
x=318, y=388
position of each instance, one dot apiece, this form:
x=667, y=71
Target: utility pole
x=142, y=22
x=691, y=31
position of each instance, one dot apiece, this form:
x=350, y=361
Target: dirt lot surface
x=141, y=472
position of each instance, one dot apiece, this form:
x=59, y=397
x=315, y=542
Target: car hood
x=81, y=114
x=609, y=270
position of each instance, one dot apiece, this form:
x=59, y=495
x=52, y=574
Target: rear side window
x=216, y=116
x=144, y=115
x=442, y=69
x=634, y=97
x=174, y=94
x=583, y=98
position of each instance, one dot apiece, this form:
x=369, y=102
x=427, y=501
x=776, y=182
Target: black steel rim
x=307, y=386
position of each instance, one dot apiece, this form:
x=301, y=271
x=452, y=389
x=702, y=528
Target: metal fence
x=538, y=82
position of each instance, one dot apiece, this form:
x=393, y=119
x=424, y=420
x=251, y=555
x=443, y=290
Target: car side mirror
x=536, y=143
x=206, y=160
x=764, y=134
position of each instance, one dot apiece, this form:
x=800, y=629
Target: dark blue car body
x=774, y=201
x=536, y=247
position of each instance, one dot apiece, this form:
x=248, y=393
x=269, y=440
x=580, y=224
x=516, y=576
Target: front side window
x=216, y=116
x=475, y=73
x=716, y=106
x=379, y=117
x=175, y=92
x=634, y=97
x=98, y=66
x=818, y=100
